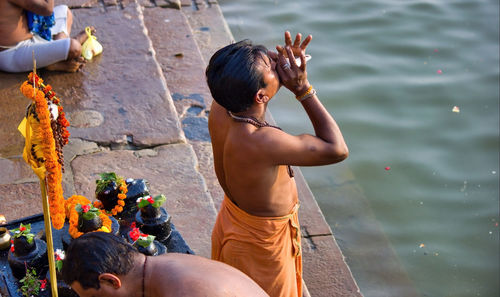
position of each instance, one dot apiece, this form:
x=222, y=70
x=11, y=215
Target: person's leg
x=74, y=62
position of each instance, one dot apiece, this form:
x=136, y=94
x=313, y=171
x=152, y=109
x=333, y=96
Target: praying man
x=257, y=228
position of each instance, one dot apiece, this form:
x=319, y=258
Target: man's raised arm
x=328, y=145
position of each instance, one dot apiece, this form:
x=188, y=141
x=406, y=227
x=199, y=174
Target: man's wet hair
x=233, y=75
x=93, y=254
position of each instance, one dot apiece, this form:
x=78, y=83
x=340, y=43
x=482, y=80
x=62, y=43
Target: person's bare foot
x=82, y=36
x=72, y=65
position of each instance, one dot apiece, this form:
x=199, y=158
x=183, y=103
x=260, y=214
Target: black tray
x=9, y=286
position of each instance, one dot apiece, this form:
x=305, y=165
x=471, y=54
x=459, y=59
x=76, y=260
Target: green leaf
x=143, y=203
x=106, y=178
x=59, y=265
x=29, y=237
x=159, y=200
x=145, y=242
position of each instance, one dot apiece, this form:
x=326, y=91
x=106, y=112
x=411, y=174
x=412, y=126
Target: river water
x=427, y=177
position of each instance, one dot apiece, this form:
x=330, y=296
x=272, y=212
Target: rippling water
x=391, y=72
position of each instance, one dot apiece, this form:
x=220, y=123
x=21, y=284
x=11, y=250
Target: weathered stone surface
x=172, y=171
x=85, y=118
x=179, y=58
x=325, y=272
x=310, y=216
x=364, y=243
x=123, y=84
x=204, y=153
x=77, y=3
x=169, y=4
x=13, y=107
x=196, y=128
x=209, y=28
x=20, y=200
x=75, y=147
x=15, y=171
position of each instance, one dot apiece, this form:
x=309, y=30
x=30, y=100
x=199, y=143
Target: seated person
x=102, y=264
x=17, y=43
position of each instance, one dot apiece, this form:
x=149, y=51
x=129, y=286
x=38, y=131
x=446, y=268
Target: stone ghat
x=140, y=109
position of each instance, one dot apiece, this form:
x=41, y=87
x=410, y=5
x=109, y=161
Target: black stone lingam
x=33, y=255
x=136, y=188
x=154, y=221
x=109, y=195
x=89, y=225
x=154, y=249
x=86, y=226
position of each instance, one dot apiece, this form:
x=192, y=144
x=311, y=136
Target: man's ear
x=261, y=97
x=109, y=279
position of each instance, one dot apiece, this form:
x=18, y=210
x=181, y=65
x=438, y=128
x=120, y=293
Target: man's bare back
x=256, y=186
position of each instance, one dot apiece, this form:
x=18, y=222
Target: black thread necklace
x=253, y=121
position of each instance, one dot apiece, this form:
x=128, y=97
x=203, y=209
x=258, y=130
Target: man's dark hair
x=93, y=254
x=233, y=77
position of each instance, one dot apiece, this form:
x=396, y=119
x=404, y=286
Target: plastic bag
x=91, y=47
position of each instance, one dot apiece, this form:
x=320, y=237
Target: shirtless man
x=17, y=42
x=104, y=265
x=257, y=228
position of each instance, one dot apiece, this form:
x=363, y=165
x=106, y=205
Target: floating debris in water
x=493, y=172
x=456, y=109
x=436, y=254
x=464, y=187
x=388, y=168
x=421, y=245
x=436, y=50
x=439, y=71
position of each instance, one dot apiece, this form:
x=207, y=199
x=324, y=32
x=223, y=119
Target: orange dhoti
x=265, y=248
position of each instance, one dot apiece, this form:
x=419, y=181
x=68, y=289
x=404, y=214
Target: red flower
x=58, y=258
x=12, y=248
x=134, y=234
x=85, y=208
x=22, y=228
x=151, y=200
x=132, y=225
x=43, y=284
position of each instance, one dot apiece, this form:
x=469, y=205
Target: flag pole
x=50, y=242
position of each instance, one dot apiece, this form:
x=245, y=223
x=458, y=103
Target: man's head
x=237, y=72
x=94, y=261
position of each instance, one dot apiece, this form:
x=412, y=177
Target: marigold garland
x=73, y=224
x=121, y=197
x=44, y=137
x=72, y=202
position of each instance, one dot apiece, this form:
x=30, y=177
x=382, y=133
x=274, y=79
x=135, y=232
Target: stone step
x=123, y=119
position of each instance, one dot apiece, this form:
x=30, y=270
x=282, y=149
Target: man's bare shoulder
x=198, y=276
